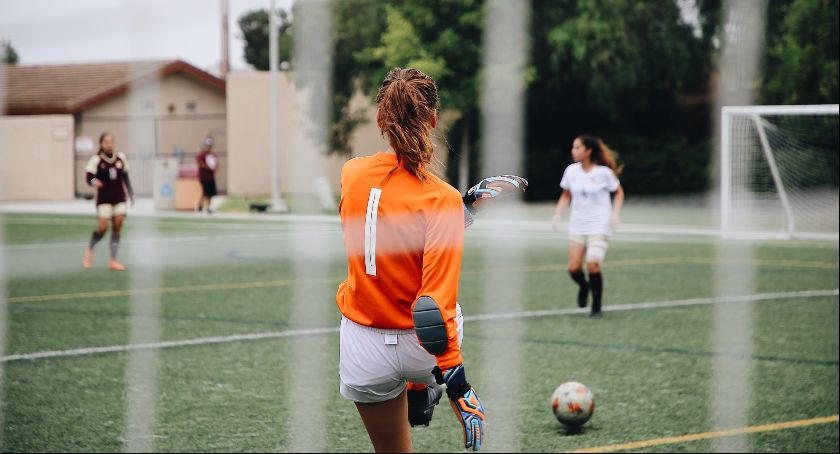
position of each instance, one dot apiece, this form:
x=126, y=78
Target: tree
x=440, y=37
x=254, y=28
x=358, y=25
x=801, y=59
x=615, y=69
x=9, y=55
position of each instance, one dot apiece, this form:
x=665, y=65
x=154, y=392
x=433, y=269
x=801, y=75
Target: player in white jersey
x=588, y=185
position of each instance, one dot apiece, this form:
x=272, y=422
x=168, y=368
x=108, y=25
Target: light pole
x=277, y=203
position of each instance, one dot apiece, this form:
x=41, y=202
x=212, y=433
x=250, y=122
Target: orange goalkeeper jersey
x=404, y=239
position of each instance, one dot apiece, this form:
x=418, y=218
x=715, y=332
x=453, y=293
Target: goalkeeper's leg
x=386, y=430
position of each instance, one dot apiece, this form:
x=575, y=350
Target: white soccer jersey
x=591, y=206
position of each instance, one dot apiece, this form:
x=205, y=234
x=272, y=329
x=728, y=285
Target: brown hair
x=407, y=102
x=102, y=138
x=601, y=153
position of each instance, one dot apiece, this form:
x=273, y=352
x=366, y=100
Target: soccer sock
x=115, y=244
x=94, y=238
x=583, y=291
x=596, y=281
x=577, y=276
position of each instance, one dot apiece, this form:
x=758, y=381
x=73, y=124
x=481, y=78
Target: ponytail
x=407, y=102
x=601, y=153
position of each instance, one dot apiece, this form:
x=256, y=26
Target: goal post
x=779, y=172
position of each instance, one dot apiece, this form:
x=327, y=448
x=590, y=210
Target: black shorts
x=209, y=188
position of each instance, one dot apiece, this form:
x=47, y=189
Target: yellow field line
x=709, y=435
x=325, y=280
x=784, y=263
x=183, y=288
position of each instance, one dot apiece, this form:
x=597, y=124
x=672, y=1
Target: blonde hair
x=601, y=153
x=407, y=103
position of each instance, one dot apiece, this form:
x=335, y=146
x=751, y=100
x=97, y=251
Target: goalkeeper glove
x=468, y=407
x=421, y=405
x=493, y=187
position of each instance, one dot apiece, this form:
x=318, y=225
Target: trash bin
x=187, y=188
x=166, y=171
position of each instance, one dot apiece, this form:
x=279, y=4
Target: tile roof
x=52, y=89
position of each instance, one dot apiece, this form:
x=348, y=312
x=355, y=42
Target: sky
x=83, y=31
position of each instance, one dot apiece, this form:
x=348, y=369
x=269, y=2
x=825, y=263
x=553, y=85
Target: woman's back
x=403, y=237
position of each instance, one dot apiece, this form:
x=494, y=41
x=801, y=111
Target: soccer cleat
x=421, y=405
x=87, y=260
x=583, y=295
x=115, y=265
x=598, y=314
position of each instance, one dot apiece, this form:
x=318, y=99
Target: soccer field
x=222, y=336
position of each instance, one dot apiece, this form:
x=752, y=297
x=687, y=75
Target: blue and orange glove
x=468, y=407
x=491, y=188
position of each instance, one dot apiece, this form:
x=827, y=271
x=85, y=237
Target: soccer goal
x=779, y=172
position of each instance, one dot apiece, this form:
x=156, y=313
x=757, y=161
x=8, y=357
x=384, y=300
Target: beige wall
x=36, y=157
x=155, y=98
x=249, y=140
x=144, y=127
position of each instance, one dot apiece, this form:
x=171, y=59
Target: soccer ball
x=572, y=404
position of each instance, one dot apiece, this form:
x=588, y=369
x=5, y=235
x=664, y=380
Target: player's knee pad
x=430, y=325
x=596, y=250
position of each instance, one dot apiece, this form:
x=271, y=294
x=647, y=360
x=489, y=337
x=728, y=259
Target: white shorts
x=107, y=210
x=374, y=364
x=596, y=246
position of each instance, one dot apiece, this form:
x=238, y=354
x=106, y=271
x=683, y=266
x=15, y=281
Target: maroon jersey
x=207, y=163
x=112, y=172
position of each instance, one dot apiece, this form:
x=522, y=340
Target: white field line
x=253, y=221
x=468, y=318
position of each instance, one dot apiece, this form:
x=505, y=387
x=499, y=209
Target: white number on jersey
x=370, y=231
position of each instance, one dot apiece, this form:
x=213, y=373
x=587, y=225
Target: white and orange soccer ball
x=572, y=403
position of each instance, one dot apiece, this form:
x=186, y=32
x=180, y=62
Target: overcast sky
x=78, y=31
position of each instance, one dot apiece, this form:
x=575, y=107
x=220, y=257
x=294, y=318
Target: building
x=154, y=109
x=165, y=109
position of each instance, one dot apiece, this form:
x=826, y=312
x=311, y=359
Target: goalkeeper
x=403, y=232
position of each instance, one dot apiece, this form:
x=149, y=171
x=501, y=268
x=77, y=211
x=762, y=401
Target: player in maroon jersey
x=207, y=163
x=107, y=171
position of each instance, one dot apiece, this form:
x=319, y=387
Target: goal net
x=779, y=172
